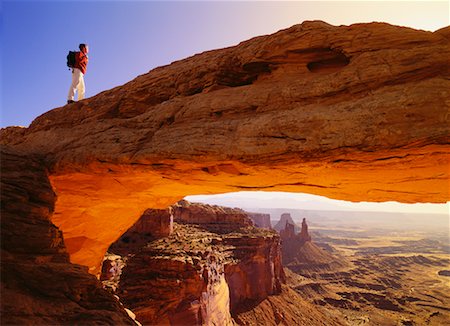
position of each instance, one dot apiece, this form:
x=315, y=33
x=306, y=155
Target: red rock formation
x=258, y=272
x=164, y=285
x=261, y=220
x=288, y=232
x=200, y=271
x=157, y=223
x=350, y=112
x=304, y=235
x=39, y=286
x=214, y=218
x=301, y=255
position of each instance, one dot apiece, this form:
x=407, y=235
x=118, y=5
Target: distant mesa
x=261, y=220
x=286, y=218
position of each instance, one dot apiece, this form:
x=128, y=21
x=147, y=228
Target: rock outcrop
x=177, y=280
x=303, y=256
x=211, y=217
x=199, y=274
x=304, y=234
x=285, y=219
x=39, y=286
x=261, y=220
x=350, y=112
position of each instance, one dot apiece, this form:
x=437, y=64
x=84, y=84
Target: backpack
x=71, y=59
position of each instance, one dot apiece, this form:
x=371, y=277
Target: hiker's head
x=84, y=48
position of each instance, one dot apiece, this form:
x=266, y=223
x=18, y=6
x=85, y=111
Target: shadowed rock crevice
x=328, y=61
x=236, y=74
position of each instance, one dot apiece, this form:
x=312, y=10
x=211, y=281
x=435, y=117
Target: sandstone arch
x=352, y=112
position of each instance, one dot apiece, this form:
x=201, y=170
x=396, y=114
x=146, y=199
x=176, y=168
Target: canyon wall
x=213, y=218
x=285, y=219
x=38, y=283
x=214, y=264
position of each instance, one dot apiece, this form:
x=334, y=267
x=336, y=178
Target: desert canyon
x=91, y=193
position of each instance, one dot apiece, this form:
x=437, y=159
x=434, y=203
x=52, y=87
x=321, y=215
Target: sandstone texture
x=211, y=217
x=199, y=274
x=354, y=112
x=39, y=286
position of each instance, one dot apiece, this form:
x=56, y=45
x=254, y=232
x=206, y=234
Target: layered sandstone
x=259, y=271
x=39, y=286
x=200, y=274
x=211, y=217
x=177, y=280
x=350, y=112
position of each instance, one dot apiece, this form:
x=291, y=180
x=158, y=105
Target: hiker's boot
x=70, y=101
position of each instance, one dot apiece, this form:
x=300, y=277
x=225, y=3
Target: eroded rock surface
x=39, y=286
x=200, y=274
x=351, y=112
x=303, y=256
x=211, y=217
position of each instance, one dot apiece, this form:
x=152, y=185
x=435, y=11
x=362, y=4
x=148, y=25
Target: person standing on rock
x=78, y=71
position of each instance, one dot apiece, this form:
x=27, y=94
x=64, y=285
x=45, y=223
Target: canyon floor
x=391, y=277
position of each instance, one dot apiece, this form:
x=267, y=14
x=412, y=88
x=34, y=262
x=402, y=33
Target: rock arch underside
x=358, y=113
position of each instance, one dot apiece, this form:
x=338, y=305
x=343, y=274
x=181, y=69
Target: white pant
x=77, y=85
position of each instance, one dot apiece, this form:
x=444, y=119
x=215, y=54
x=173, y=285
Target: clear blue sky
x=128, y=38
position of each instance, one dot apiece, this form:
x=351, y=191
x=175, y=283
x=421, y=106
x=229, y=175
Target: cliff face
x=213, y=218
x=259, y=272
x=39, y=285
x=351, y=112
x=165, y=283
x=199, y=274
x=261, y=220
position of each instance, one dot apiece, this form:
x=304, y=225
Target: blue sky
x=129, y=38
